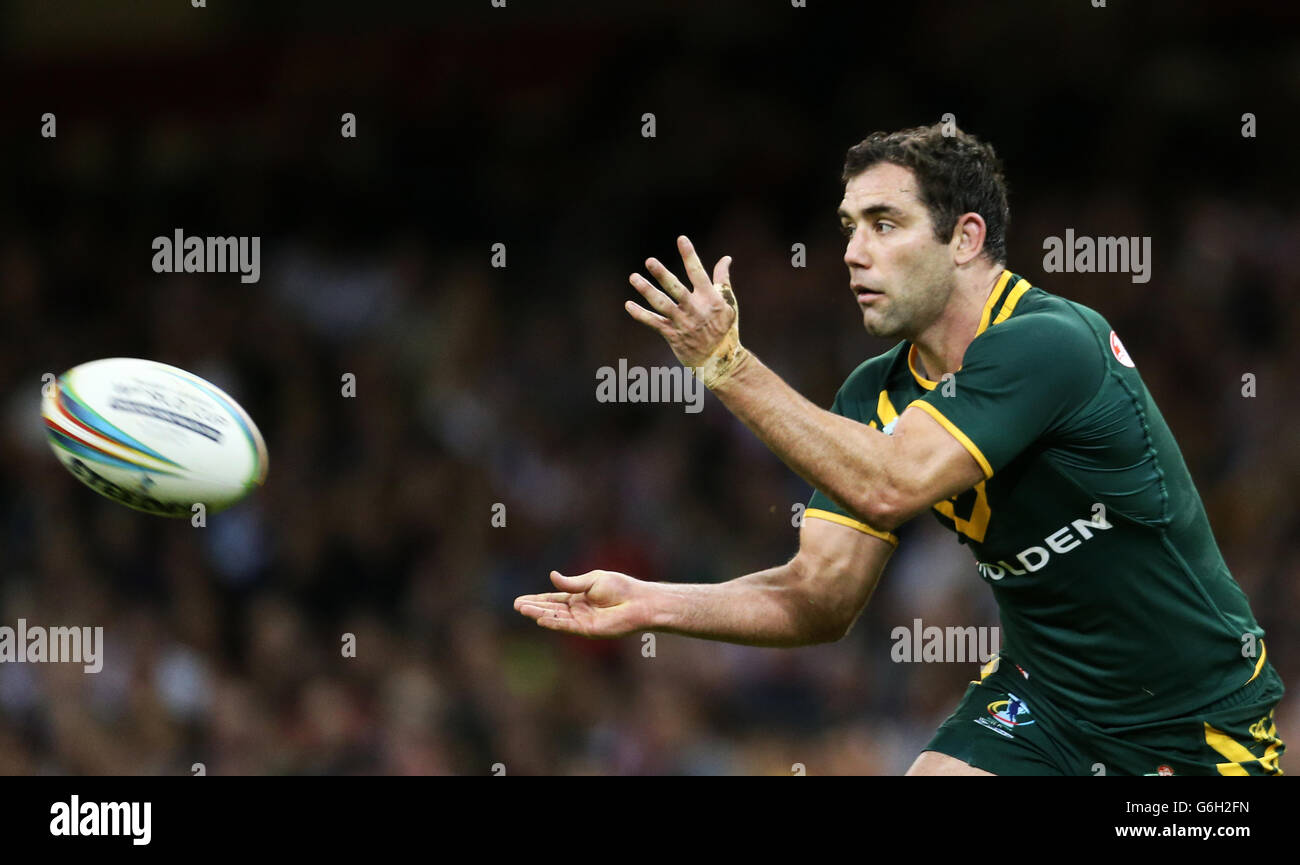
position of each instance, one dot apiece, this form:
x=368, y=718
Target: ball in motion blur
x=152, y=436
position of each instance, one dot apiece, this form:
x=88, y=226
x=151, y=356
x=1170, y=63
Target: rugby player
x=1020, y=421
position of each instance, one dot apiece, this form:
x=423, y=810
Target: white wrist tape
x=726, y=357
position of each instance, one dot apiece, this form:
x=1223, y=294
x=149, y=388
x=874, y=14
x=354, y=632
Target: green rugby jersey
x=1114, y=598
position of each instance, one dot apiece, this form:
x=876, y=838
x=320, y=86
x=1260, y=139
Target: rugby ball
x=153, y=437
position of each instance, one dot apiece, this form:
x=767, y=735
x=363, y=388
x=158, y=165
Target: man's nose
x=855, y=253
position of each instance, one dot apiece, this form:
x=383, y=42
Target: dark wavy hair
x=956, y=173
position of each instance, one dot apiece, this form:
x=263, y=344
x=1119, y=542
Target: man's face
x=901, y=276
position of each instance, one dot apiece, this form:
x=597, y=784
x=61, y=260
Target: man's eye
x=884, y=227
x=846, y=230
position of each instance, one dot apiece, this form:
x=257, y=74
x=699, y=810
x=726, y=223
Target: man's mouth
x=867, y=295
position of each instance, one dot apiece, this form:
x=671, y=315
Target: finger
x=550, y=597
x=532, y=611
x=537, y=613
x=722, y=271
x=646, y=317
x=576, y=585
x=661, y=302
x=671, y=284
x=545, y=598
x=695, y=271
x=550, y=606
x=563, y=623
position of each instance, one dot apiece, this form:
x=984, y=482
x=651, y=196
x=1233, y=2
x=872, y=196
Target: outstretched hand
x=701, y=325
x=600, y=604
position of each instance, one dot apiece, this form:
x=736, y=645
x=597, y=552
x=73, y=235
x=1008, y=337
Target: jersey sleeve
x=1023, y=380
x=849, y=403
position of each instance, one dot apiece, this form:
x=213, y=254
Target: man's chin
x=878, y=327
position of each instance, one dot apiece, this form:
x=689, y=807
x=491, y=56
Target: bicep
x=927, y=463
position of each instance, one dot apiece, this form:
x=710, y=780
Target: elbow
x=840, y=626
x=828, y=628
x=885, y=508
x=833, y=633
x=834, y=615
x=817, y=607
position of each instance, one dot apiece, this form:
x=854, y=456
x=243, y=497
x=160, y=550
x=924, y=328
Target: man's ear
x=968, y=238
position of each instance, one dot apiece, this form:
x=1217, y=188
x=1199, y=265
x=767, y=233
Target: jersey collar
x=989, y=305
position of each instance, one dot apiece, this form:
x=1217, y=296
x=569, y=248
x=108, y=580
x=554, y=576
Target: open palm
x=601, y=604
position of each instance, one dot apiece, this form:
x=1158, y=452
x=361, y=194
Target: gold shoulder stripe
x=832, y=517
x=957, y=434
x=1009, y=306
x=993, y=301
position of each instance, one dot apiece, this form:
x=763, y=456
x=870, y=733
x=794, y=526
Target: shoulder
x=1046, y=328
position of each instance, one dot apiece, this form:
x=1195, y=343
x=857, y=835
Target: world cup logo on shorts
x=1011, y=712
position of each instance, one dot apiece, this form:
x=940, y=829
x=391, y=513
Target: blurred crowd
x=475, y=385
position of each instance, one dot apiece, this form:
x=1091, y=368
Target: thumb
x=722, y=271
x=574, y=585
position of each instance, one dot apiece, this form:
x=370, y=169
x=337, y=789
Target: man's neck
x=942, y=346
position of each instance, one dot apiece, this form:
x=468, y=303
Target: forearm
x=846, y=460
x=766, y=608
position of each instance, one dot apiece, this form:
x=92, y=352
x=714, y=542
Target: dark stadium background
x=477, y=385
